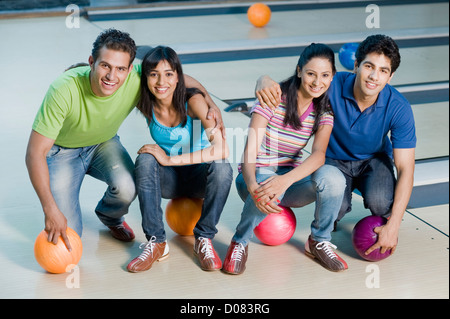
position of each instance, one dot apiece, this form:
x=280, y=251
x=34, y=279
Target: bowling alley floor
x=226, y=54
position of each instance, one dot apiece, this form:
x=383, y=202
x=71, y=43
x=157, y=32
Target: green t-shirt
x=74, y=117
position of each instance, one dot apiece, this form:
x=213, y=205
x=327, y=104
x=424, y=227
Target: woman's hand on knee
x=157, y=152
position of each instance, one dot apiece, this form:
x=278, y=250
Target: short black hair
x=115, y=40
x=381, y=44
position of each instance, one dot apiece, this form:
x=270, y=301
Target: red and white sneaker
x=151, y=252
x=207, y=255
x=122, y=232
x=323, y=252
x=234, y=263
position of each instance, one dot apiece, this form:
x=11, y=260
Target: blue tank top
x=179, y=140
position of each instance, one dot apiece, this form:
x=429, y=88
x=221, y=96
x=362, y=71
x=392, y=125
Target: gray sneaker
x=323, y=252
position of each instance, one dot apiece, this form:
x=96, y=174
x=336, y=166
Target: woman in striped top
x=273, y=171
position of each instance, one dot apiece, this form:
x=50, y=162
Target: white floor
x=35, y=50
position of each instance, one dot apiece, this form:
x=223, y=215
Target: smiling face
x=316, y=76
x=162, y=81
x=372, y=75
x=109, y=71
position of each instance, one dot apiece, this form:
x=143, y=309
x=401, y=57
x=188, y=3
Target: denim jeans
x=374, y=178
x=325, y=186
x=108, y=162
x=210, y=181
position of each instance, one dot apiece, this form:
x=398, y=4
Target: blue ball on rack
x=347, y=55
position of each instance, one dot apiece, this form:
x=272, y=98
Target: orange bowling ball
x=259, y=14
x=182, y=214
x=57, y=258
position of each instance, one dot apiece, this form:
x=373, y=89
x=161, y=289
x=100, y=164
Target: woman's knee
x=241, y=187
x=145, y=164
x=221, y=172
x=330, y=179
x=145, y=160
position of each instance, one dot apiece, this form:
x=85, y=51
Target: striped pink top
x=283, y=145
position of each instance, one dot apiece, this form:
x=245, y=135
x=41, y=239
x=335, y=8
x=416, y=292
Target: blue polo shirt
x=360, y=135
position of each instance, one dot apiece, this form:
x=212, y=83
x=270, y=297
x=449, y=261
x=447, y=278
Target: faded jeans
x=325, y=186
x=108, y=162
x=210, y=181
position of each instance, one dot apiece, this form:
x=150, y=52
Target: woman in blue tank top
x=187, y=160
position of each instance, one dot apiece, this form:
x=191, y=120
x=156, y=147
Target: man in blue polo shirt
x=373, y=131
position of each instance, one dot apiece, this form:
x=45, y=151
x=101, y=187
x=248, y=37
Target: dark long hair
x=290, y=87
x=181, y=93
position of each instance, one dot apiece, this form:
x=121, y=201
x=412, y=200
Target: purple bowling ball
x=363, y=237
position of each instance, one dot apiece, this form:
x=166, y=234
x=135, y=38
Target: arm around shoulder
x=213, y=110
x=268, y=92
x=198, y=108
x=219, y=147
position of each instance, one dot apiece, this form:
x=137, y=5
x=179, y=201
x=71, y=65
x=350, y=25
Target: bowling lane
x=432, y=129
x=235, y=80
x=213, y=28
x=233, y=31
x=230, y=80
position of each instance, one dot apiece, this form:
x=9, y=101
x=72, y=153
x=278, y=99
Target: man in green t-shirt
x=75, y=133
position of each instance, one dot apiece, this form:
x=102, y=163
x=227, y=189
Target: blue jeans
x=374, y=178
x=325, y=186
x=108, y=162
x=210, y=181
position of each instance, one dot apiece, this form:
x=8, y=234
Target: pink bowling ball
x=277, y=229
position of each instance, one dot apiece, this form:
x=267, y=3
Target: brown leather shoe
x=122, y=232
x=234, y=263
x=152, y=252
x=323, y=252
x=208, y=257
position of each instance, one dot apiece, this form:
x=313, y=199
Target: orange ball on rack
x=259, y=14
